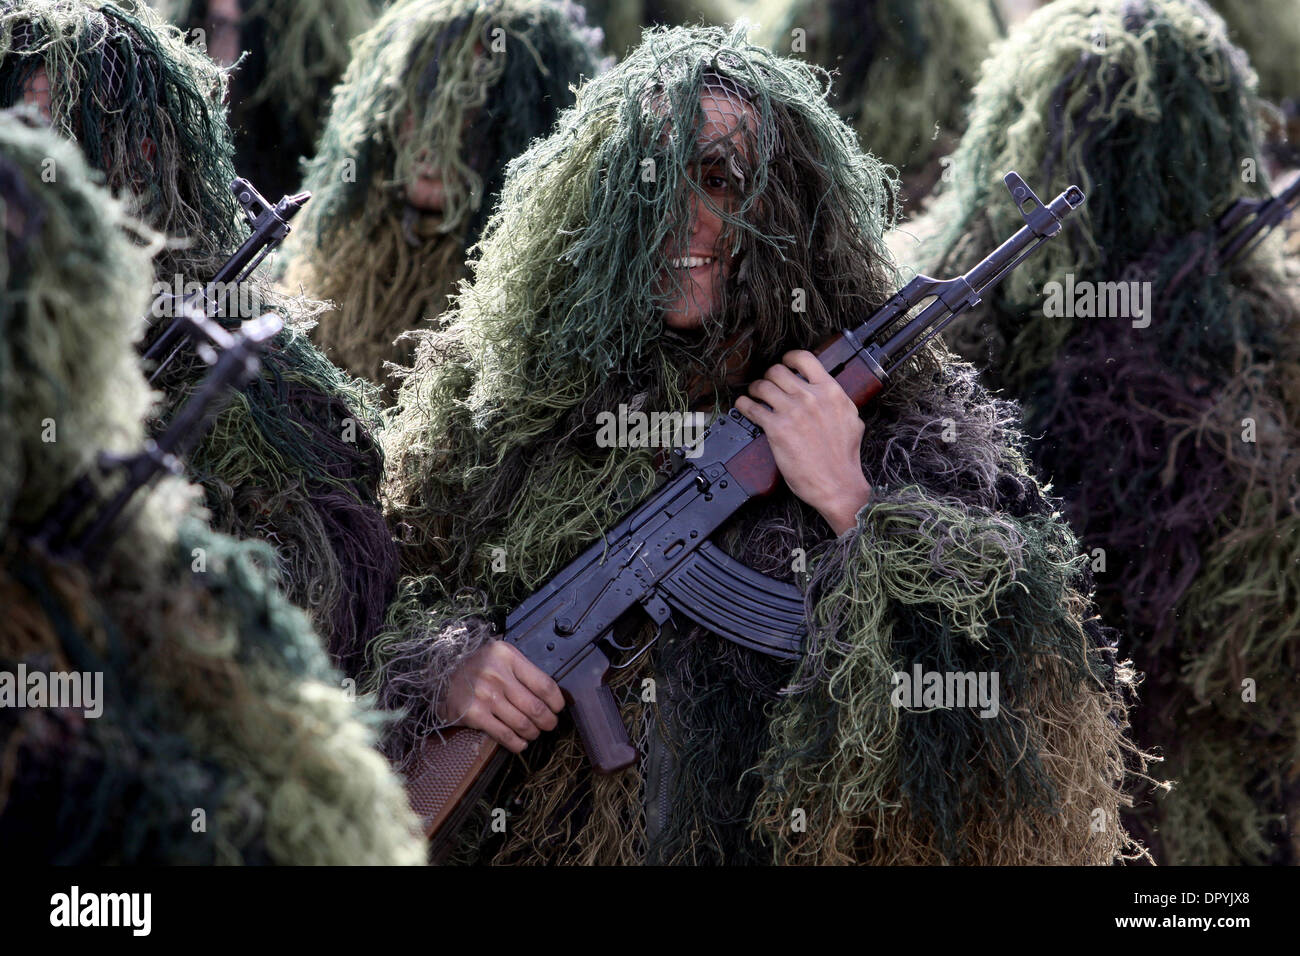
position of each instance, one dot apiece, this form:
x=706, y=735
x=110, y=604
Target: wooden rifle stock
x=754, y=467
x=450, y=772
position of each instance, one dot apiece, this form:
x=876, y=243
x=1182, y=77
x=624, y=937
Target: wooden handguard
x=445, y=773
x=754, y=467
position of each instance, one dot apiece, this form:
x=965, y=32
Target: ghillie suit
x=498, y=478
x=144, y=108
x=222, y=733
x=903, y=70
x=463, y=85
x=291, y=460
x=294, y=52
x=622, y=21
x=1171, y=430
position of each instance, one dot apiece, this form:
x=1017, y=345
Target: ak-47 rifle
x=270, y=227
x=77, y=525
x=660, y=556
x=1260, y=217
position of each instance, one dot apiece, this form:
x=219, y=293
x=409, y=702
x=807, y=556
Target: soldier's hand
x=816, y=436
x=500, y=692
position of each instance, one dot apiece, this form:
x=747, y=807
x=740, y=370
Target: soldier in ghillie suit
x=291, y=460
x=293, y=53
x=1162, y=386
x=440, y=96
x=218, y=731
x=646, y=255
x=903, y=70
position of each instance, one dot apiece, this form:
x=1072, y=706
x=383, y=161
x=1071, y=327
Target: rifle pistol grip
x=596, y=713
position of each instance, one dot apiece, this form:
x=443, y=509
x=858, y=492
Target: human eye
x=714, y=179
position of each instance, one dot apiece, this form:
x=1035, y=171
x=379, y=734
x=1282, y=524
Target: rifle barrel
x=952, y=297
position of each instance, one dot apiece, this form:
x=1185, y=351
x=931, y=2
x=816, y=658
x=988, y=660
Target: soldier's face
x=427, y=189
x=697, y=266
x=36, y=92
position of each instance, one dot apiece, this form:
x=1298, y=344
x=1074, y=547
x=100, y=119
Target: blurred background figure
x=290, y=54
x=292, y=459
x=903, y=70
x=623, y=20
x=440, y=96
x=1161, y=385
x=1269, y=32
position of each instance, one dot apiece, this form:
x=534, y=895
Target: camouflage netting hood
x=460, y=86
x=498, y=477
x=903, y=68
x=295, y=51
x=222, y=733
x=291, y=459
x=145, y=109
x=1170, y=424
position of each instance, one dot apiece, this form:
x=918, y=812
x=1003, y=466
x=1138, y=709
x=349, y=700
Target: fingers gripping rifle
x=270, y=227
x=660, y=557
x=1248, y=222
x=78, y=525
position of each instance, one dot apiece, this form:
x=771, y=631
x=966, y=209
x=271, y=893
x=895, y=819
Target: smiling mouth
x=692, y=262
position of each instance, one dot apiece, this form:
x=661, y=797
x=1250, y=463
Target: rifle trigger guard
x=659, y=612
x=639, y=654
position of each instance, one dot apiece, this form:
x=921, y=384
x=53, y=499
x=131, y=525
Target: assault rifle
x=660, y=556
x=76, y=527
x=1248, y=222
x=270, y=227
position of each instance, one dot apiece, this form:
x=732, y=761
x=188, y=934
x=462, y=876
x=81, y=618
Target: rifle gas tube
x=660, y=557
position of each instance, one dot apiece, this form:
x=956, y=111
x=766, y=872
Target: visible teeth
x=691, y=262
